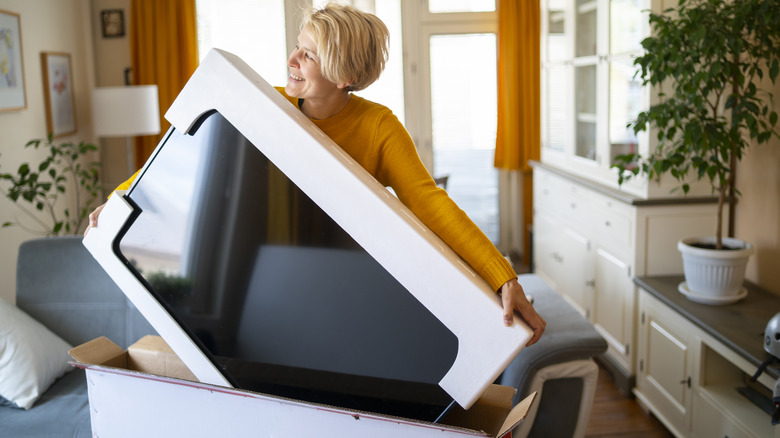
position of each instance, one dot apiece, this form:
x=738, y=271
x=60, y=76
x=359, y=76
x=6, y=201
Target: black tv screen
x=277, y=294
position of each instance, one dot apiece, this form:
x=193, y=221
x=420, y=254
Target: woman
x=340, y=50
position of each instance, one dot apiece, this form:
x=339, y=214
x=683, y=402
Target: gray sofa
x=61, y=285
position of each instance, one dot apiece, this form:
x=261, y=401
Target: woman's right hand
x=93, y=218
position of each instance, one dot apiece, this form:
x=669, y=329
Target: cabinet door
x=665, y=369
x=614, y=303
x=589, y=92
x=577, y=279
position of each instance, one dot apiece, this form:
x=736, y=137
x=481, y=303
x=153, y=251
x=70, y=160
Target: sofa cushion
x=31, y=356
x=63, y=411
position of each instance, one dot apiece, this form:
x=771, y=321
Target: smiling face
x=305, y=80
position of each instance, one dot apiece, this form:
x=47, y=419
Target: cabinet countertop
x=623, y=196
x=740, y=326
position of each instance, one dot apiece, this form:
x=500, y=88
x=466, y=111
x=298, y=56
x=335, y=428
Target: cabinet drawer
x=575, y=203
x=548, y=192
x=611, y=219
x=614, y=227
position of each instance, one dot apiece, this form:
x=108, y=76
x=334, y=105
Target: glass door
x=451, y=75
x=627, y=27
x=556, y=69
x=464, y=117
x=585, y=78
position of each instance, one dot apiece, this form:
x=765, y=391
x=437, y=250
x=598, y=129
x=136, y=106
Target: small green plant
x=172, y=287
x=40, y=187
x=712, y=53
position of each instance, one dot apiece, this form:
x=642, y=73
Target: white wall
x=758, y=209
x=112, y=56
x=46, y=25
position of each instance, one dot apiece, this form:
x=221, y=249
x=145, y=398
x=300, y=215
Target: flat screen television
x=281, y=298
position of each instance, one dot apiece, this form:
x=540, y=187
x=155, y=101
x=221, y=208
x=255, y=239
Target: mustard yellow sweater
x=374, y=137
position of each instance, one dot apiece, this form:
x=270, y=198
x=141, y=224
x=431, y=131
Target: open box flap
x=516, y=415
x=152, y=355
x=493, y=412
x=100, y=351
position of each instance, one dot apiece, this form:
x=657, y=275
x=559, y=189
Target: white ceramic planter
x=714, y=276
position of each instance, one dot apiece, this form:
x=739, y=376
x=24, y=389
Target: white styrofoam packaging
x=137, y=393
x=461, y=300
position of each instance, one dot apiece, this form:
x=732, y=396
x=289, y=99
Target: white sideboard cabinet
x=591, y=237
x=590, y=241
x=695, y=362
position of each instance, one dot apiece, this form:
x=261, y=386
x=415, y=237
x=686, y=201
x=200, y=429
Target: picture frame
x=113, y=23
x=58, y=93
x=13, y=95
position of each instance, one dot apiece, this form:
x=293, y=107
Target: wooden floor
x=615, y=415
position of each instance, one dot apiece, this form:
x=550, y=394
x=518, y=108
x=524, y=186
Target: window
x=254, y=31
x=439, y=6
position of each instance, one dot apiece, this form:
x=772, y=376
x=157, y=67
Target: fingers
x=506, y=300
x=93, y=218
x=513, y=298
x=538, y=331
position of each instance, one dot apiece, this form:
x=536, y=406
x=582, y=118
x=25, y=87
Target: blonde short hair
x=351, y=44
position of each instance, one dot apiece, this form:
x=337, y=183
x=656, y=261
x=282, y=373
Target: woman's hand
x=513, y=298
x=93, y=217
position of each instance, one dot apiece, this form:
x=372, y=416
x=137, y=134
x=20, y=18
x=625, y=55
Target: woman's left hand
x=513, y=298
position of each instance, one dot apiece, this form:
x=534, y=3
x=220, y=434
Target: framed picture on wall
x=58, y=93
x=12, y=90
x=113, y=23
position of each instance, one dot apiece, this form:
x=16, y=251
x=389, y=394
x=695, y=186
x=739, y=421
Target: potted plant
x=39, y=187
x=711, y=55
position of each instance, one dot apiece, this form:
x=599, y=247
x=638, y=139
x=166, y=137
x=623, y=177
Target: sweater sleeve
x=126, y=185
x=400, y=167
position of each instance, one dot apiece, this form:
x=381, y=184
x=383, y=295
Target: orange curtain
x=518, y=136
x=164, y=51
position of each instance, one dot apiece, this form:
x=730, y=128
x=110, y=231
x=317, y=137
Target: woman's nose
x=293, y=59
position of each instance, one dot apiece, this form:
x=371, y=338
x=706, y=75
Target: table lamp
x=126, y=111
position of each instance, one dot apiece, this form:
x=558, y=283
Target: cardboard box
x=148, y=391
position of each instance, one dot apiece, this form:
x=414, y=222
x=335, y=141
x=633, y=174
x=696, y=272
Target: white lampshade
x=125, y=111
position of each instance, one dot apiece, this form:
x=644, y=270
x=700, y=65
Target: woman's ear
x=343, y=85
